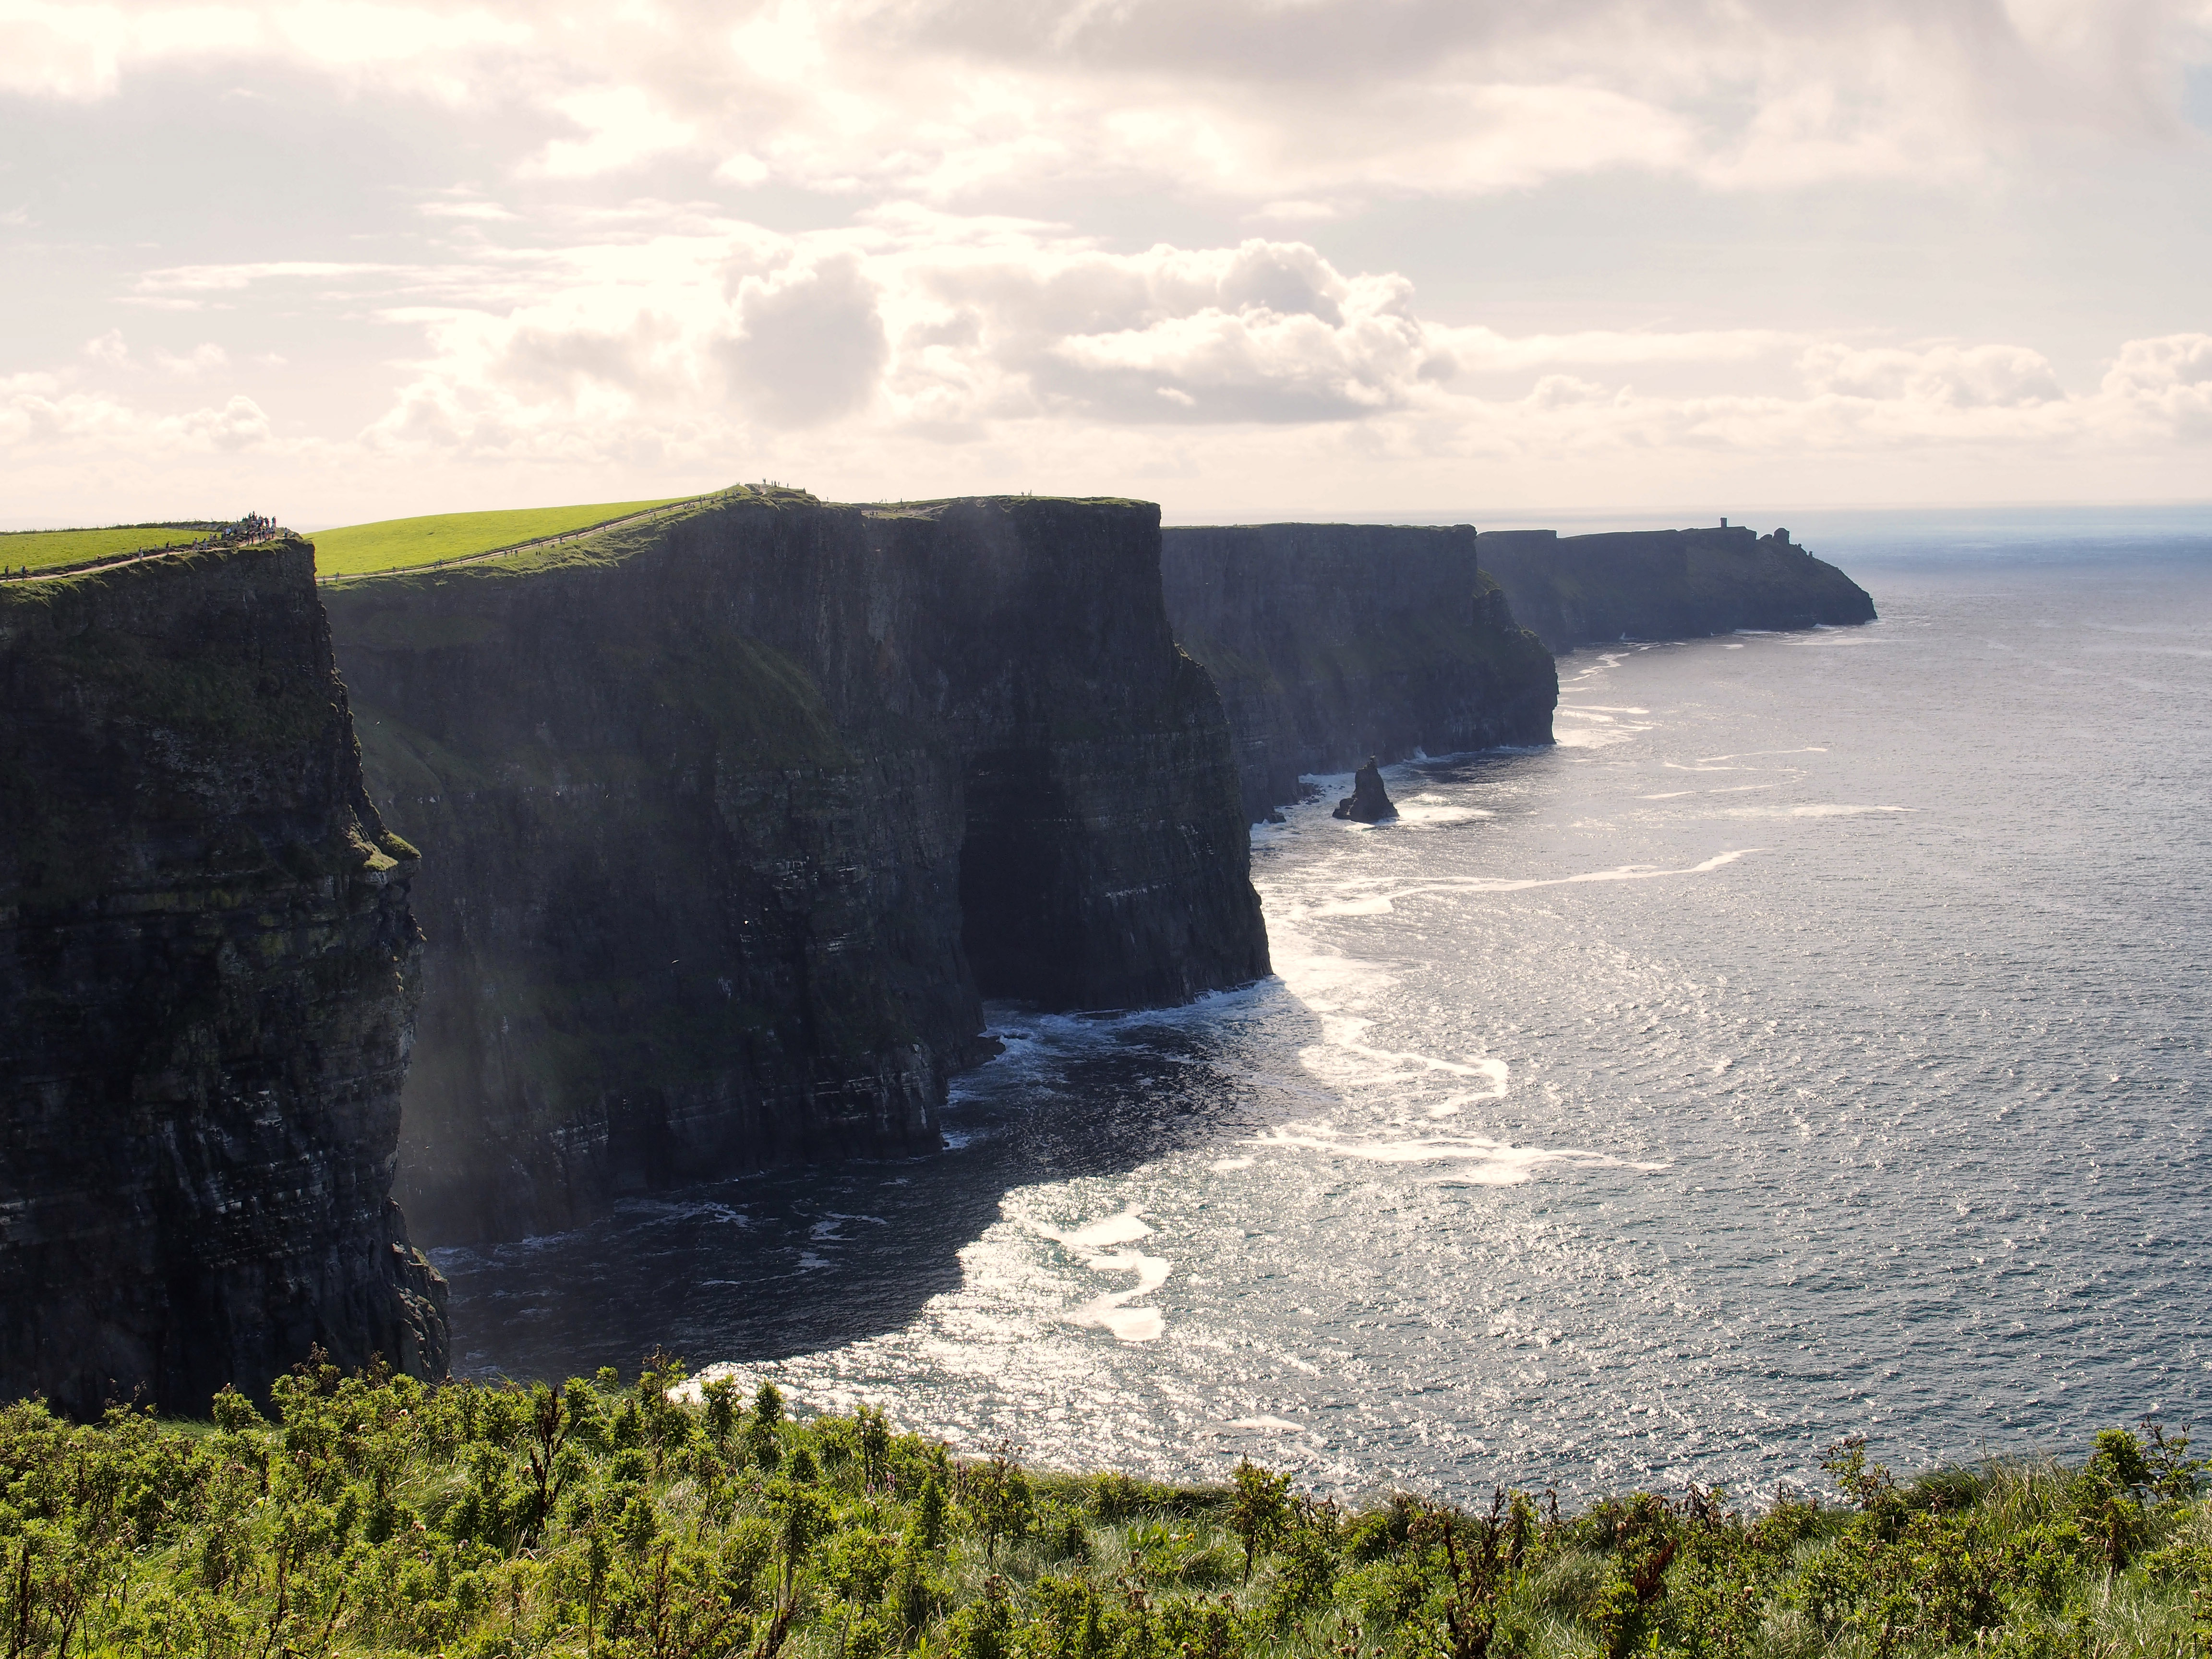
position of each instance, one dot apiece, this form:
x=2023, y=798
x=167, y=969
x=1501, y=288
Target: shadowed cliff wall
x=733, y=818
x=1334, y=643
x=1666, y=584
x=208, y=970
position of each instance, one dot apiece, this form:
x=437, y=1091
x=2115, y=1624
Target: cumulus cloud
x=37, y=412
x=2166, y=382
x=918, y=327
x=811, y=343
x=1962, y=377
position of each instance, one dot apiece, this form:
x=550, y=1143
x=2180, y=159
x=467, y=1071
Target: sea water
x=1813, y=1043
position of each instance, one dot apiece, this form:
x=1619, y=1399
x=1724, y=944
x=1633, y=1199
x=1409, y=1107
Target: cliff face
x=735, y=817
x=1666, y=584
x=208, y=966
x=1334, y=643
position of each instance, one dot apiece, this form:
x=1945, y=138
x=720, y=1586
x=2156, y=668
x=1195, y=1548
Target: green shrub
x=367, y=1514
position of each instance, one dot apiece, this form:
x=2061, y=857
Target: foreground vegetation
x=41, y=549
x=362, y=550
x=375, y=1516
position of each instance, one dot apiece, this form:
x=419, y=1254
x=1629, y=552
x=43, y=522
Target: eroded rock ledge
x=734, y=817
x=207, y=971
x=1334, y=643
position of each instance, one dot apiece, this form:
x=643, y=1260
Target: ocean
x=1813, y=1043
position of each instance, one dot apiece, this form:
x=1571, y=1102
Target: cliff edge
x=734, y=817
x=1666, y=584
x=1335, y=643
x=208, y=966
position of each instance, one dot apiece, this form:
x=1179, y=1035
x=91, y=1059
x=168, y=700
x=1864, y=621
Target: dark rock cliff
x=207, y=971
x=733, y=819
x=1332, y=642
x=1666, y=584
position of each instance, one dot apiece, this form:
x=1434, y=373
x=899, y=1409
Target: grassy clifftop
x=673, y=1517
x=362, y=550
x=42, y=549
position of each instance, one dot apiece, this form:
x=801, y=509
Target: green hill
x=42, y=549
x=360, y=549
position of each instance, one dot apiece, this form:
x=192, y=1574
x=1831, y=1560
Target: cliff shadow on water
x=734, y=817
x=208, y=966
x=783, y=1262
x=1332, y=643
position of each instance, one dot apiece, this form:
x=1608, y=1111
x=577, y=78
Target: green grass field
x=43, y=548
x=360, y=549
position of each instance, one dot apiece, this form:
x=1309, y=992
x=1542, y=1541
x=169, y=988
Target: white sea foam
x=1360, y=898
x=1494, y=1162
x=1125, y=1228
x=1417, y=811
x=1112, y=1311
x=1230, y=1165
x=1831, y=810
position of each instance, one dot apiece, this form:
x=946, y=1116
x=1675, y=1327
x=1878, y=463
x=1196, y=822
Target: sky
x=341, y=260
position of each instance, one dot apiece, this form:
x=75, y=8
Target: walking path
x=56, y=572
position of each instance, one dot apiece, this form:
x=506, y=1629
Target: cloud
x=1962, y=377
x=200, y=359
x=1289, y=109
x=917, y=350
x=622, y=126
x=2166, y=382
x=37, y=413
x=928, y=326
x=109, y=350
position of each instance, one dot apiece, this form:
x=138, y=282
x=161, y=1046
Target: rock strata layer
x=1666, y=584
x=208, y=969
x=733, y=818
x=1334, y=643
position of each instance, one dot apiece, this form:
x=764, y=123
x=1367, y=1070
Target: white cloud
x=1290, y=109
x=924, y=329
x=623, y=126
x=109, y=350
x=36, y=413
x=1964, y=377
x=811, y=345
x=201, y=359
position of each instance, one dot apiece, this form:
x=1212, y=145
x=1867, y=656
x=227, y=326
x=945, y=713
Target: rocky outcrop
x=1369, y=801
x=208, y=970
x=733, y=819
x=1666, y=584
x=1333, y=642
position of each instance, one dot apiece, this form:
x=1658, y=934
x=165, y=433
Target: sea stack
x=1369, y=801
x=1328, y=640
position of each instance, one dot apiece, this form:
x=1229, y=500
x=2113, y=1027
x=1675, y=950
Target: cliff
x=1666, y=584
x=735, y=817
x=1334, y=643
x=208, y=966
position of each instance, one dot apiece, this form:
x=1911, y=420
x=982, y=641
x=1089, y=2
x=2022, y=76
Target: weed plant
x=663, y=1518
